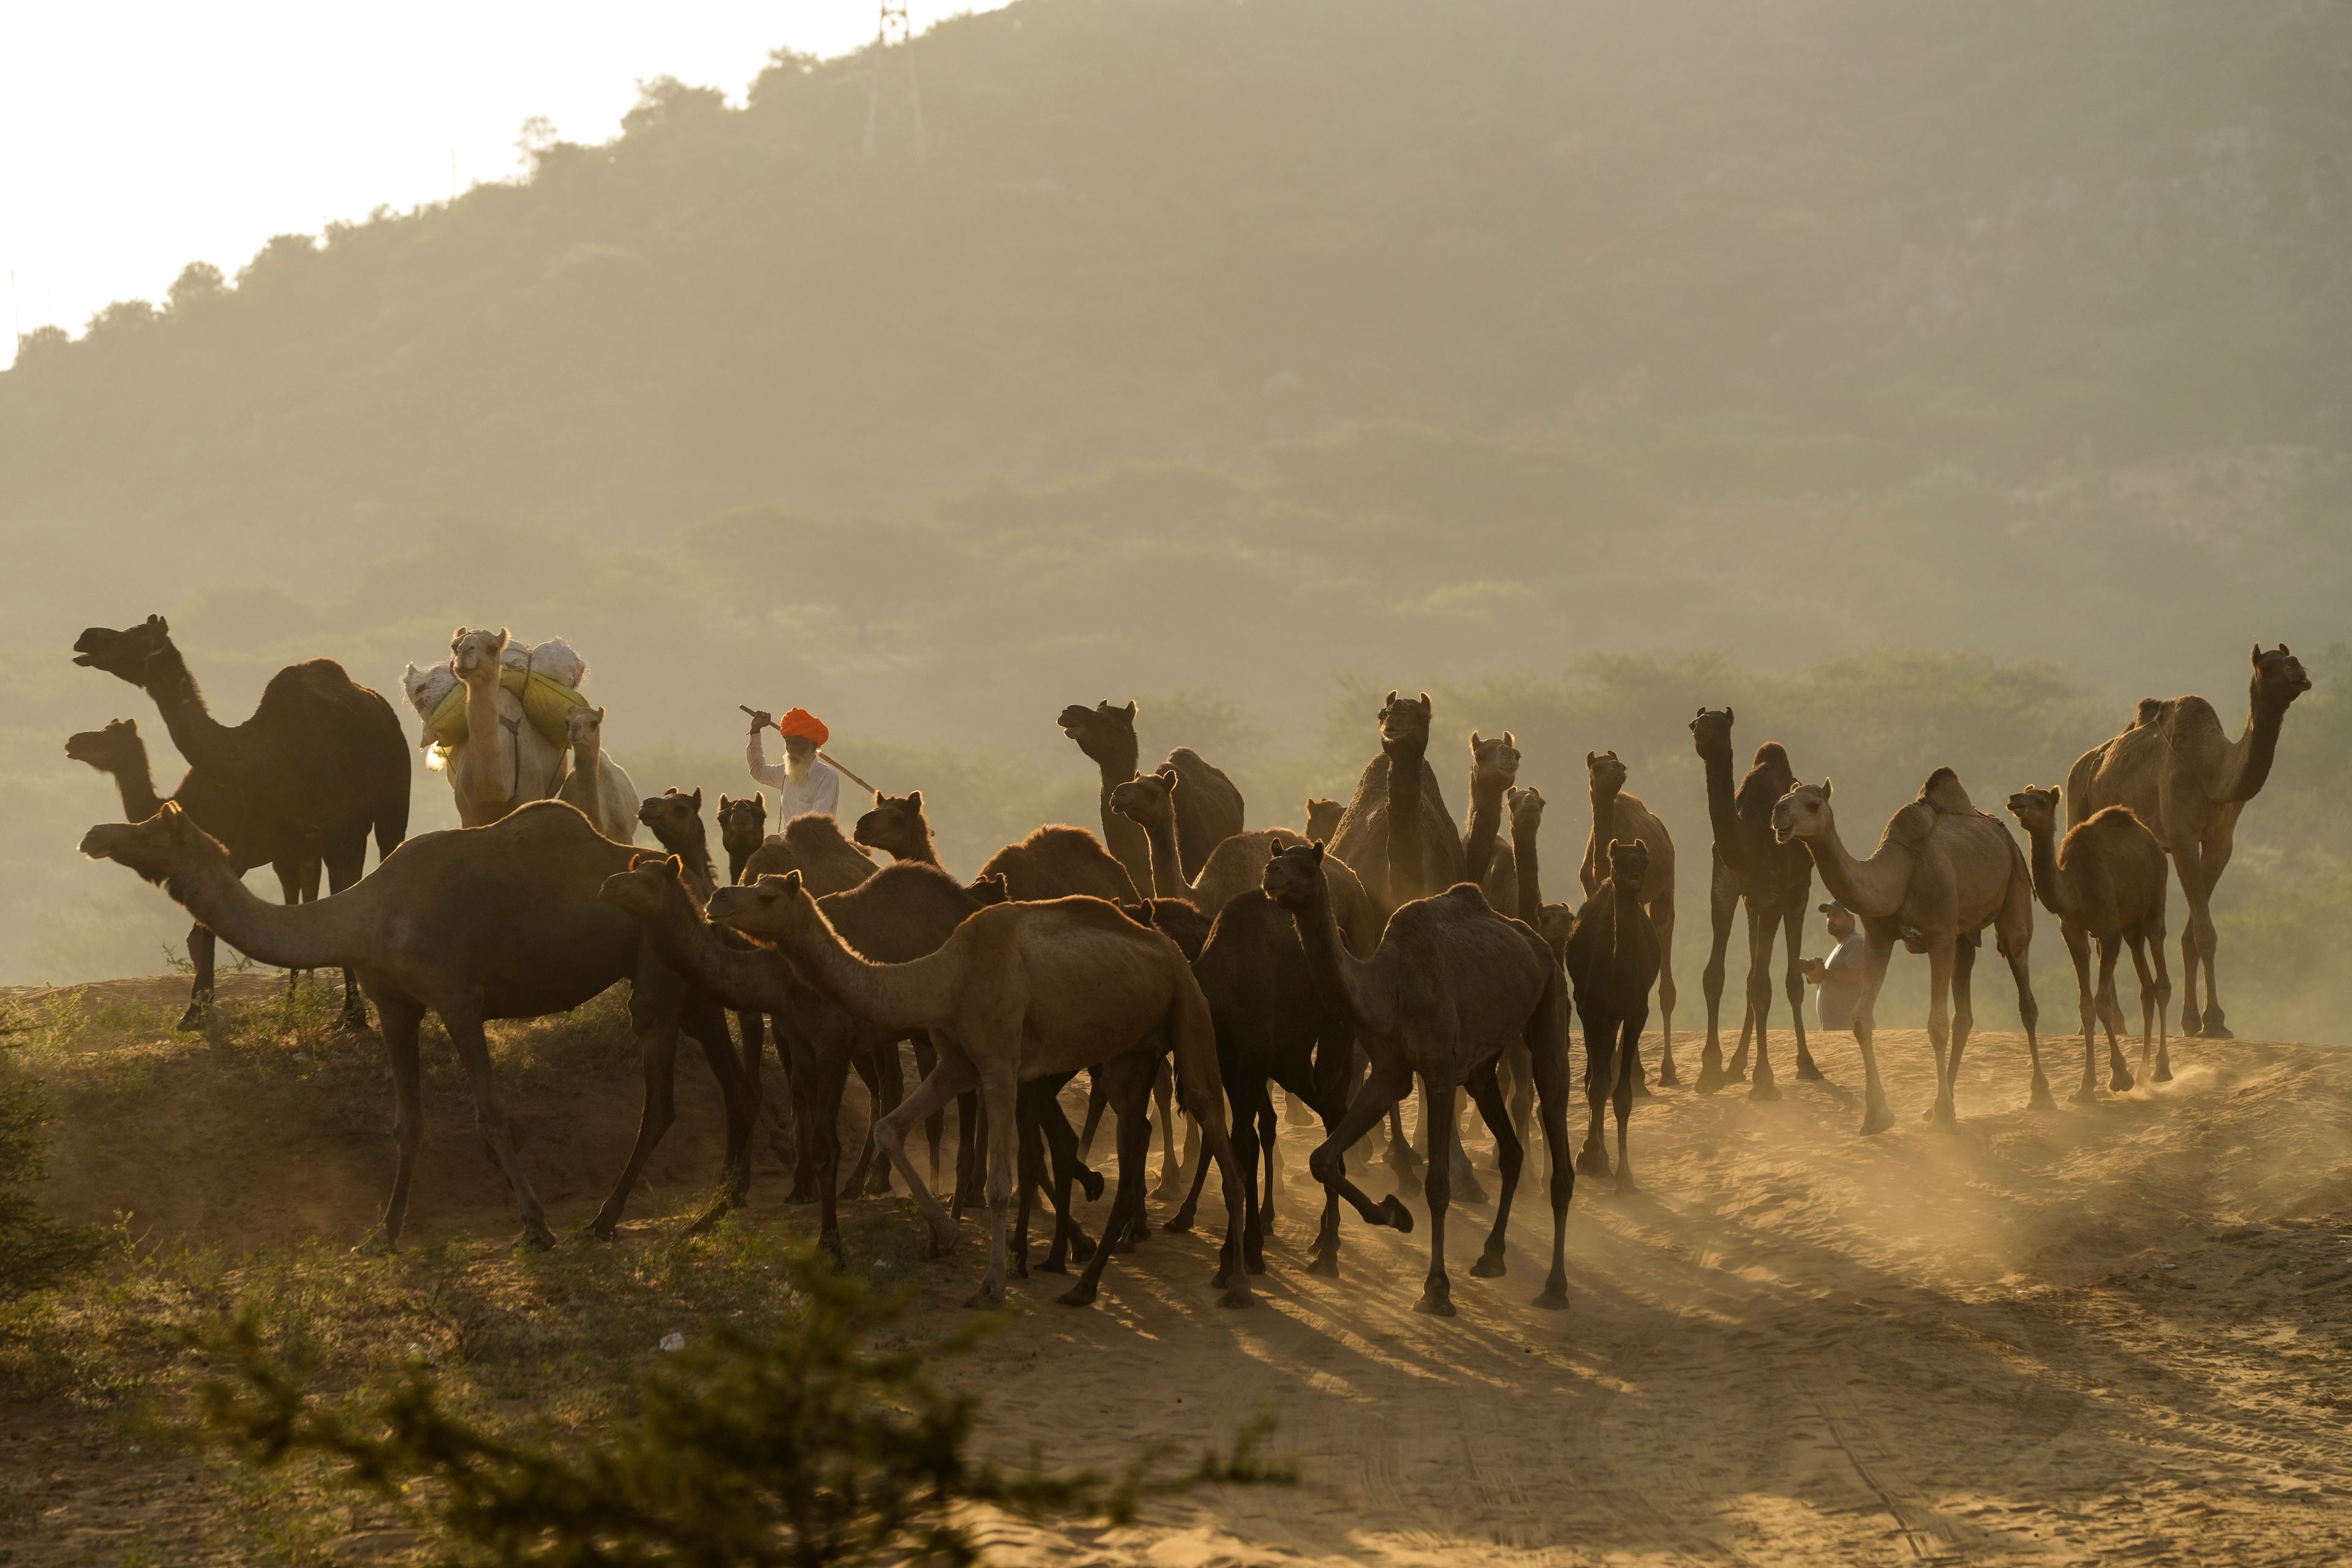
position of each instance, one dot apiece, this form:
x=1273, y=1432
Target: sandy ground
x=2108, y=1333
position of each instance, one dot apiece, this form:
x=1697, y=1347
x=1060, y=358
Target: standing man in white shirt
x=1840, y=975
x=804, y=781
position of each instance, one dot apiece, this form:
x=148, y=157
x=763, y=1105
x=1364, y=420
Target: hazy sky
x=135, y=138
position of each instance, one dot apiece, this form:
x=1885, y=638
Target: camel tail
x=392, y=825
x=1192, y=1034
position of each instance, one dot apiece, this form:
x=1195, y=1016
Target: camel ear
x=1130, y=707
x=1425, y=702
x=2255, y=657
x=1473, y=739
x=600, y=715
x=1274, y=851
x=1511, y=740
x=677, y=867
x=723, y=804
x=160, y=624
x=1319, y=852
x=1392, y=697
x=1729, y=717
x=790, y=880
x=1166, y=773
x=1825, y=788
x=760, y=799
x=502, y=639
x=2282, y=649
x=696, y=796
x=915, y=800
x=1591, y=758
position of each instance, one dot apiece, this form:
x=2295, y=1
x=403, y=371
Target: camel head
x=1494, y=762
x=159, y=849
x=584, y=726
x=896, y=825
x=475, y=655
x=2278, y=679
x=767, y=911
x=2150, y=710
x=1323, y=819
x=1527, y=810
x=1405, y=722
x=1149, y=799
x=1804, y=813
x=1711, y=733
x=743, y=823
x=1629, y=864
x=675, y=819
x=992, y=888
x=2036, y=810
x=109, y=749
x=1105, y=733
x=654, y=887
x=1293, y=876
x=1605, y=773
x=1553, y=922
x=124, y=654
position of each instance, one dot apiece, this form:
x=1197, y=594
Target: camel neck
x=1723, y=811
x=1594, y=869
x=2248, y=767
x=736, y=860
x=1624, y=909
x=486, y=764
x=747, y=979
x=136, y=784
x=1342, y=982
x=1873, y=888
x=1523, y=850
x=2050, y=882
x=1483, y=828
x=1167, y=861
x=1405, y=823
x=916, y=996
x=289, y=936
x=202, y=739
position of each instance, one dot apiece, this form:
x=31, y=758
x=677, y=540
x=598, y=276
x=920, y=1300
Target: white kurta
x=819, y=789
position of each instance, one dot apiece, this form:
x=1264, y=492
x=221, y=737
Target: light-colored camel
x=1550, y=921
x=504, y=762
x=1364, y=839
x=1451, y=984
x=1942, y=872
x=597, y=784
x=2105, y=883
x=1485, y=858
x=1235, y=866
x=2187, y=782
x=1625, y=819
x=473, y=924
x=1323, y=815
x=1020, y=990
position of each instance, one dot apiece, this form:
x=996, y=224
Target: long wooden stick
x=826, y=757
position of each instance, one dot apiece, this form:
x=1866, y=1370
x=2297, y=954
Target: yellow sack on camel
x=546, y=702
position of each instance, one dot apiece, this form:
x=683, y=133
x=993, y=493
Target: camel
x=1486, y=860
x=1363, y=836
x=1323, y=820
x=1450, y=985
x=2105, y=883
x=742, y=828
x=1018, y=991
x=900, y=912
x=473, y=924
x=1612, y=962
x=1550, y=921
x=597, y=784
x=217, y=806
x=1943, y=871
x=2187, y=782
x=1153, y=801
x=898, y=827
x=504, y=762
x=1619, y=815
x=322, y=761
x=1773, y=879
x=812, y=845
x=1211, y=816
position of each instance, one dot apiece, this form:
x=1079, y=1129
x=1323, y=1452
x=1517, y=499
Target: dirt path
x=2107, y=1334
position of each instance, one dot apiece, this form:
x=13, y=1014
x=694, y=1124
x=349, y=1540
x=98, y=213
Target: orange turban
x=800, y=721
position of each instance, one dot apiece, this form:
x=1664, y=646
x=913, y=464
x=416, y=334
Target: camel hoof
x=1946, y=1117
x=603, y=1229
x=1625, y=1181
x=537, y=1237
x=1554, y=1298
x=1053, y=1266
x=1641, y=1088
x=1592, y=1162
x=1710, y=1080
x=831, y=1246
x=981, y=1301
x=1763, y=1088
x=1082, y=1247
x=1179, y=1222
x=1467, y=1190
x=2087, y=1095
x=1079, y=1295
x=2216, y=1031
x=1876, y=1119
x=2121, y=1083
x=2040, y=1101
x=1395, y=1215
x=1255, y=1265
x=1666, y=1079
x=941, y=1244
x=2162, y=1075
x=1239, y=1296
x=1437, y=1301
x=1808, y=1073
x=1326, y=1264
x=1091, y=1182
x=1488, y=1267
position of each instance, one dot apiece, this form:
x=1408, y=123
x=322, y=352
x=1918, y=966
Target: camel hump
x=1943, y=792
x=1468, y=893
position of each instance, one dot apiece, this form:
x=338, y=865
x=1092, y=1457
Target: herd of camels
x=1179, y=952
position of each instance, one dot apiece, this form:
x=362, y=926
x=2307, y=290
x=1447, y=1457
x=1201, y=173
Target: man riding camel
x=806, y=782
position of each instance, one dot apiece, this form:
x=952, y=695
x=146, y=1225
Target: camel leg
x=1000, y=1094
x=659, y=1044
x=2160, y=996
x=1188, y=1210
x=1269, y=1137
x=927, y=1057
x=1126, y=1083
x=1721, y=905
x=775, y=1112
x=1402, y=1162
x=2029, y=1012
x=869, y=1074
x=1599, y=1079
x=1163, y=1096
x=2188, y=864
x=950, y=1078
x=707, y=1022
x=401, y=1015
x=1759, y=1000
x=1876, y=1115
x=1029, y=1174
x=2209, y=937
x=1374, y=1099
x=1465, y=1180
x=1964, y=1013
x=346, y=862
x=826, y=1072
x=1662, y=919
x=1547, y=1063
x=2119, y=1078
x=1437, y=1124
x=201, y=954
x=967, y=1147
x=1510, y=1154
x=1245, y=1150
x=1793, y=983
x=1097, y=1103
x=890, y=1075
x=2087, y=1003
x=1629, y=1067
x=653, y=1016
x=1070, y=1239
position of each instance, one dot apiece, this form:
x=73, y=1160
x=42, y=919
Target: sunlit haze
x=135, y=139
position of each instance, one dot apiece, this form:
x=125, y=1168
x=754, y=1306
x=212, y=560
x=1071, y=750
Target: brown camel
x=2187, y=782
x=597, y=784
x=742, y=828
x=1450, y=985
x=1211, y=816
x=1363, y=839
x=1323, y=817
x=474, y=923
x=321, y=762
x=1019, y=991
x=900, y=913
x=1943, y=871
x=1619, y=815
x=1153, y=801
x=221, y=810
x=1550, y=921
x=1612, y=962
x=812, y=845
x=1485, y=858
x=1774, y=879
x=2105, y=883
